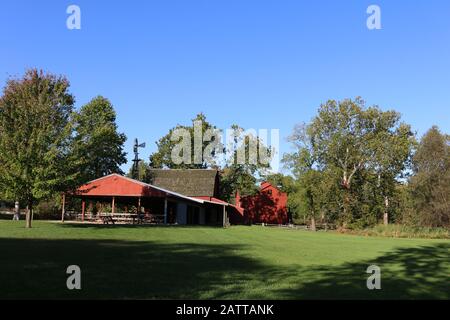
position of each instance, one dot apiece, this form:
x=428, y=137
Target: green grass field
x=128, y=262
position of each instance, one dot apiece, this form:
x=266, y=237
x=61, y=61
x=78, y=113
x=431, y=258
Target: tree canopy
x=430, y=185
x=97, y=143
x=194, y=159
x=35, y=137
x=357, y=152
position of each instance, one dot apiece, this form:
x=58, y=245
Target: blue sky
x=260, y=64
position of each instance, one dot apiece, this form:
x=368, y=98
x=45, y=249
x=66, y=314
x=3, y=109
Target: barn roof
x=189, y=182
x=117, y=185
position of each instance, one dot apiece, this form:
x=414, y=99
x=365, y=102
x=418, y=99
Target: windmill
x=136, y=158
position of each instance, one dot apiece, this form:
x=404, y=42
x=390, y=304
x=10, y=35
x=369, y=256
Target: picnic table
x=119, y=217
x=152, y=218
x=107, y=219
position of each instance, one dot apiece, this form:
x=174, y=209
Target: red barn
x=268, y=206
x=173, y=197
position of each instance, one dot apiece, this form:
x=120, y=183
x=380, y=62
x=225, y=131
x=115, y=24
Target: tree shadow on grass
x=116, y=269
x=36, y=268
x=406, y=273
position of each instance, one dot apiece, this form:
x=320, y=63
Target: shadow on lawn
x=35, y=268
x=406, y=273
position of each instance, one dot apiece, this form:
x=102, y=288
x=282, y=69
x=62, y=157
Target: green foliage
x=235, y=179
x=430, y=185
x=98, y=145
x=248, y=161
x=348, y=161
x=403, y=231
x=284, y=183
x=162, y=158
x=48, y=209
x=142, y=172
x=35, y=137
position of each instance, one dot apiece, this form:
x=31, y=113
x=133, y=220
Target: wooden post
x=83, y=209
x=63, y=210
x=165, y=210
x=113, y=208
x=139, y=206
x=224, y=216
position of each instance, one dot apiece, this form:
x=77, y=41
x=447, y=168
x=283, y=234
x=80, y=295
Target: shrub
x=402, y=231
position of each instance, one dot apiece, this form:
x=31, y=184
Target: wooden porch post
x=224, y=216
x=83, y=208
x=139, y=206
x=113, y=208
x=63, y=210
x=165, y=210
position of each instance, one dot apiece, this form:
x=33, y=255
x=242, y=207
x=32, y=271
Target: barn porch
x=118, y=199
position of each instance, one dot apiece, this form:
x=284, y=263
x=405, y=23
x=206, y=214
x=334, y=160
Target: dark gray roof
x=192, y=183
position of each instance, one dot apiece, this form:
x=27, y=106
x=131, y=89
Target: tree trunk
x=313, y=223
x=63, y=207
x=386, y=214
x=29, y=215
x=346, y=209
x=16, y=211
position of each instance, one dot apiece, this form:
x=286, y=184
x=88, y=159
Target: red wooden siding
x=268, y=206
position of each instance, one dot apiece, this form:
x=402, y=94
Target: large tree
x=339, y=142
x=308, y=196
x=97, y=141
x=354, y=144
x=196, y=138
x=392, y=143
x=35, y=137
x=430, y=184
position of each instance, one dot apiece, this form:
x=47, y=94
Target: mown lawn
x=123, y=262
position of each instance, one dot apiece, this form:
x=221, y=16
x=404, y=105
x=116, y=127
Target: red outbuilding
x=268, y=206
